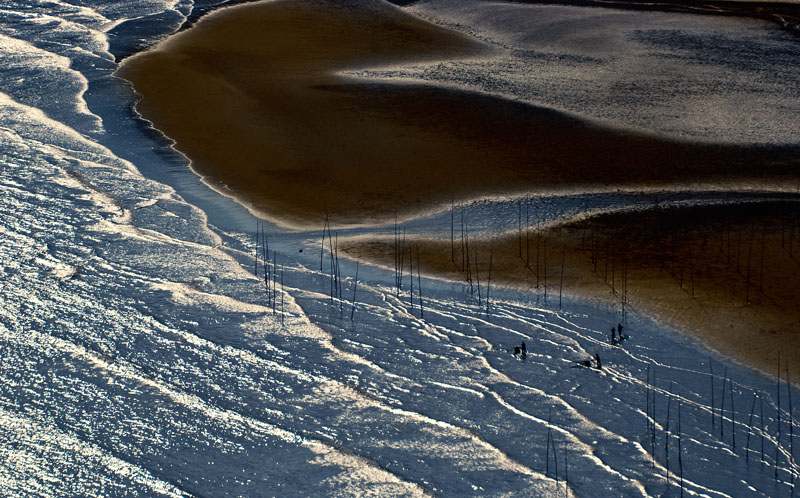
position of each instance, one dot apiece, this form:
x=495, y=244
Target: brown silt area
x=254, y=96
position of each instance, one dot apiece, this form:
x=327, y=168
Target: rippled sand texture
x=728, y=274
x=251, y=95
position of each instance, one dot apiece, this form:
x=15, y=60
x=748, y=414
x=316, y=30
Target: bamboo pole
x=791, y=425
x=489, y=281
x=647, y=394
x=478, y=277
x=339, y=291
x=355, y=287
x=561, y=283
x=462, y=238
x=722, y=406
x=761, y=419
x=452, y=231
x=555, y=457
x=566, y=470
x=255, y=267
x=411, y=272
x=322, y=246
x=333, y=268
x=419, y=286
x=667, y=433
x=733, y=416
x=547, y=445
x=274, y=279
x=680, y=452
x=527, y=233
x=653, y=424
x=747, y=278
x=469, y=264
x=778, y=437
x=750, y=430
x=544, y=267
x=519, y=228
x=713, y=405
x=761, y=271
x=402, y=260
x=267, y=273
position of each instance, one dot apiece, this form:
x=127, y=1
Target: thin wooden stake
x=547, y=445
x=255, y=268
x=733, y=417
x=452, y=231
x=527, y=234
x=489, y=281
x=519, y=228
x=402, y=260
x=555, y=457
x=791, y=425
x=339, y=292
x=355, y=287
x=334, y=287
x=561, y=284
x=722, y=406
x=653, y=425
x=778, y=437
x=411, y=274
x=322, y=247
x=462, y=238
x=747, y=278
x=544, y=267
x=419, y=286
x=713, y=405
x=761, y=272
x=274, y=282
x=750, y=430
x=270, y=269
x=761, y=419
x=680, y=452
x=667, y=433
x=647, y=417
x=478, y=277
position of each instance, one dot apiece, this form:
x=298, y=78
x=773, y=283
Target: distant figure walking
x=597, y=358
x=613, y=335
x=619, y=329
x=524, y=349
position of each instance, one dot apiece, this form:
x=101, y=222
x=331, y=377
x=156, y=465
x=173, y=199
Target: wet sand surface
x=251, y=94
x=729, y=275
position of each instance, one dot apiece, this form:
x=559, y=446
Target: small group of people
x=617, y=336
x=617, y=332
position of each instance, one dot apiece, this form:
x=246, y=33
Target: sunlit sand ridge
x=251, y=94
